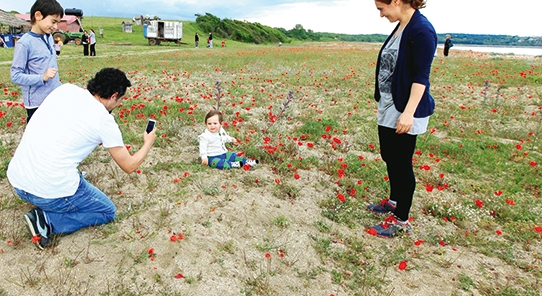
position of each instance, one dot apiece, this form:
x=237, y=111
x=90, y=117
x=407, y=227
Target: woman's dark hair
x=416, y=4
x=46, y=7
x=213, y=113
x=107, y=82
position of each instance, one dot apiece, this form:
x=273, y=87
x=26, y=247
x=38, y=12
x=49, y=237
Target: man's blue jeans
x=87, y=207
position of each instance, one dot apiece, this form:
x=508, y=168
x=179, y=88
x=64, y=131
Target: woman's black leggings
x=397, y=151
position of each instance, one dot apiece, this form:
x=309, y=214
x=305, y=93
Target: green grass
x=477, y=168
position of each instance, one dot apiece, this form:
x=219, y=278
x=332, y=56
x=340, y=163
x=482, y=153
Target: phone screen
x=150, y=125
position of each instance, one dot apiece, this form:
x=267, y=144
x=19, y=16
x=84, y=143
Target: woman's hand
x=404, y=123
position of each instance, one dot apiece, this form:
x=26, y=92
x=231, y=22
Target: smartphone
x=150, y=125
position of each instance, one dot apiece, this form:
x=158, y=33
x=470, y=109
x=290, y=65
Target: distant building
x=127, y=27
x=69, y=23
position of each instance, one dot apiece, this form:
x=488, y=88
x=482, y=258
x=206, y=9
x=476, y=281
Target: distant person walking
x=448, y=44
x=84, y=41
x=34, y=66
x=92, y=38
x=210, y=40
x=101, y=33
x=402, y=89
x=196, y=39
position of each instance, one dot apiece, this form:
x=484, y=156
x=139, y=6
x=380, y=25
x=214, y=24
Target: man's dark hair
x=46, y=7
x=107, y=82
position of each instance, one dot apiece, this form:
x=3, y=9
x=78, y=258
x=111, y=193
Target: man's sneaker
x=384, y=207
x=39, y=228
x=252, y=162
x=390, y=228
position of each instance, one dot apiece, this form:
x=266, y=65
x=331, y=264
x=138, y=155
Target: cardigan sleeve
x=423, y=52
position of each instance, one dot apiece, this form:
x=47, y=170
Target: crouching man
x=69, y=124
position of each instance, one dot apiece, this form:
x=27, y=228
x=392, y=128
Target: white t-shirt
x=64, y=131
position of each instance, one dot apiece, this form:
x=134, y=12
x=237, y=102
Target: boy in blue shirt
x=34, y=65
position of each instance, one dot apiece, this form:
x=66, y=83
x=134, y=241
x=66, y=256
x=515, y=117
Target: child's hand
x=205, y=161
x=50, y=73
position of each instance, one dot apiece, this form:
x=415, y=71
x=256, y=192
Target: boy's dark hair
x=213, y=113
x=46, y=7
x=107, y=82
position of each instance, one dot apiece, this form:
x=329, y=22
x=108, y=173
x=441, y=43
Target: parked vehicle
x=157, y=31
x=70, y=28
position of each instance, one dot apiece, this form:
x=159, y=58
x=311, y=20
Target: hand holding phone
x=150, y=125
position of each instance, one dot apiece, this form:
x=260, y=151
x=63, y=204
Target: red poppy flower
x=498, y=232
x=402, y=265
x=296, y=176
x=267, y=255
x=538, y=228
x=479, y=203
x=341, y=197
x=442, y=243
x=179, y=276
x=419, y=242
x=510, y=202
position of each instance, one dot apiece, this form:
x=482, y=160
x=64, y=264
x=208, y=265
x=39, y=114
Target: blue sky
x=337, y=16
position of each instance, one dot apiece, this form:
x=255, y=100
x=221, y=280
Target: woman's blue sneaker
x=384, y=207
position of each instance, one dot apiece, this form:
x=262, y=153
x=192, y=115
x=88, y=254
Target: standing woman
x=84, y=41
x=404, y=105
x=92, y=41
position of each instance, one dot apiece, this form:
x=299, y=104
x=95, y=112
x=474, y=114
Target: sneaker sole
x=29, y=226
x=32, y=231
x=377, y=212
x=385, y=236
